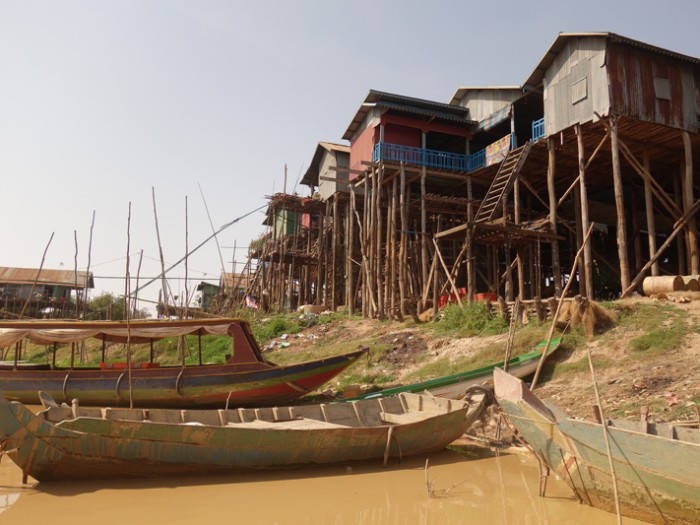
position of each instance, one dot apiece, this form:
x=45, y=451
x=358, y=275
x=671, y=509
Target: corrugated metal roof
x=461, y=91
x=46, y=277
x=403, y=103
x=535, y=78
x=310, y=178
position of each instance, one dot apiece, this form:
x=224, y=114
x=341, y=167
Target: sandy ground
x=666, y=382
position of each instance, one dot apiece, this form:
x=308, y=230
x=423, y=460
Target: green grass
x=470, y=320
x=580, y=366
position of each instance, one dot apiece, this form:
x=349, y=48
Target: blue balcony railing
x=429, y=158
x=537, y=129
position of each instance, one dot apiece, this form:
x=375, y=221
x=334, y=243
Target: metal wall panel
x=653, y=87
x=483, y=103
x=580, y=63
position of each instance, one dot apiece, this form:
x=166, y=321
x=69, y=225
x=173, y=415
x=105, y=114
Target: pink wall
x=361, y=149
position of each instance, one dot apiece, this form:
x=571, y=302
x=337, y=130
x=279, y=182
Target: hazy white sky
x=101, y=101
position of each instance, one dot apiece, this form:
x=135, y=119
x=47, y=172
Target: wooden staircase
x=502, y=183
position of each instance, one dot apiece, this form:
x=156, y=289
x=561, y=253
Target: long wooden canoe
x=657, y=466
x=245, y=379
x=70, y=443
x=454, y=386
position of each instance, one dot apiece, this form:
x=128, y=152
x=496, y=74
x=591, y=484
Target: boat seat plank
x=308, y=412
x=342, y=414
x=301, y=424
x=89, y=412
x=205, y=417
x=403, y=419
x=164, y=416
x=124, y=414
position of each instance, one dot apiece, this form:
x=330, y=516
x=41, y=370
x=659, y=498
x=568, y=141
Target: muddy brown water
x=472, y=487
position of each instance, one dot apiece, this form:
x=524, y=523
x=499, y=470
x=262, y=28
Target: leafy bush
x=471, y=320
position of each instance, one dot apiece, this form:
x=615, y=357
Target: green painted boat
x=454, y=386
x=78, y=443
x=657, y=466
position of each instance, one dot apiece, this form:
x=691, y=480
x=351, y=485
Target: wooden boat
x=454, y=386
x=71, y=443
x=245, y=379
x=657, y=466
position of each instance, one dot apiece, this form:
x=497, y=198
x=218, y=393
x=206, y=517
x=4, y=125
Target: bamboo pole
x=378, y=243
x=423, y=229
x=36, y=279
x=127, y=309
x=556, y=313
x=87, y=270
x=403, y=240
x=164, y=283
x=75, y=269
x=447, y=273
x=187, y=235
x=606, y=435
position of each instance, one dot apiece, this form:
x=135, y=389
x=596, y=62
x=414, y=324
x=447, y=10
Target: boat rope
x=116, y=388
x=388, y=445
x=65, y=385
x=179, y=380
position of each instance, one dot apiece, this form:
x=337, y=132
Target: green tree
x=107, y=306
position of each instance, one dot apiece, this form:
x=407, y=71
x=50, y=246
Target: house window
x=579, y=90
x=662, y=88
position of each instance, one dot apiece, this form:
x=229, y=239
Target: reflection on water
x=475, y=490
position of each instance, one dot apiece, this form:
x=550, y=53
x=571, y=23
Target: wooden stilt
x=587, y=257
x=649, y=206
x=619, y=205
x=551, y=191
x=688, y=199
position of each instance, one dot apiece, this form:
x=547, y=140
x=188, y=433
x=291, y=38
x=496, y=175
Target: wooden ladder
x=502, y=183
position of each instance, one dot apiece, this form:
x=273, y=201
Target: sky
x=103, y=104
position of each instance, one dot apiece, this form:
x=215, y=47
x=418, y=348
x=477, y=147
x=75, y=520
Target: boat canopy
x=61, y=332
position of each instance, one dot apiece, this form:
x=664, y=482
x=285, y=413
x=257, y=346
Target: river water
x=476, y=487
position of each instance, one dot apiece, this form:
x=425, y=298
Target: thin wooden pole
x=556, y=313
x=187, y=250
x=75, y=269
x=378, y=243
x=36, y=279
x=127, y=308
x=403, y=205
x=606, y=436
x=423, y=229
x=447, y=273
x=164, y=283
x=87, y=269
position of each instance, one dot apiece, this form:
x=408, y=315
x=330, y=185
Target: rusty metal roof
x=46, y=277
x=537, y=75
